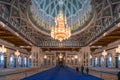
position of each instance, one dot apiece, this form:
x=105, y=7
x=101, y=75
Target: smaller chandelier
x=17, y=53
x=118, y=49
x=60, y=31
x=3, y=49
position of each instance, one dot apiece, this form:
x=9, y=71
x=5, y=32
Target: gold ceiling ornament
x=60, y=31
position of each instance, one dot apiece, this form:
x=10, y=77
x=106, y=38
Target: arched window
x=109, y=60
x=2, y=60
x=96, y=61
x=93, y=63
x=25, y=62
x=101, y=61
x=19, y=61
x=12, y=61
x=29, y=62
x=118, y=60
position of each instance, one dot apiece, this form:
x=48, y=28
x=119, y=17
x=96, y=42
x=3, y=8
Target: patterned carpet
x=61, y=73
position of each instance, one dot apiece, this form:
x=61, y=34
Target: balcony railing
x=16, y=26
x=108, y=25
x=99, y=32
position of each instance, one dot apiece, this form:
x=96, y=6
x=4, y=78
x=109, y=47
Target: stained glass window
x=119, y=60
x=29, y=62
x=109, y=60
x=92, y=62
x=25, y=62
x=101, y=61
x=12, y=61
x=2, y=60
x=96, y=61
x=19, y=61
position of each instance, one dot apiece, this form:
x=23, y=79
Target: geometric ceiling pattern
x=51, y=7
x=43, y=12
x=15, y=14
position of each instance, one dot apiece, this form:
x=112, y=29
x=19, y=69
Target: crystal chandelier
x=3, y=49
x=17, y=53
x=60, y=31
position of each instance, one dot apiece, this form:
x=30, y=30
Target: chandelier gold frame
x=60, y=31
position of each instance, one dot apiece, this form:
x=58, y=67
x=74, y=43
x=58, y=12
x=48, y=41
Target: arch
x=109, y=60
x=101, y=61
x=96, y=62
x=118, y=60
x=2, y=60
x=12, y=63
x=19, y=61
x=93, y=62
x=25, y=62
x=29, y=62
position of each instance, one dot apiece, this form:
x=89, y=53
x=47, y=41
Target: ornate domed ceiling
x=43, y=12
x=15, y=15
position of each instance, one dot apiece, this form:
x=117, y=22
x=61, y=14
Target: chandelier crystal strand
x=60, y=31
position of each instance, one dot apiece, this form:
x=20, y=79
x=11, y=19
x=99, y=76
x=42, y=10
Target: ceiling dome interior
x=43, y=12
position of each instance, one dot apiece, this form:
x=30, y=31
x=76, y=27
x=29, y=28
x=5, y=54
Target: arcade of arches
x=26, y=46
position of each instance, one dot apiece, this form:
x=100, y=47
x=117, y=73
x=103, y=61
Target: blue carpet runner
x=61, y=73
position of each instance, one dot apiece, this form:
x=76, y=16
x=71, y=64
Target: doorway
x=60, y=58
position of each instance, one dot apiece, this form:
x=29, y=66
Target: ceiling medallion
x=60, y=31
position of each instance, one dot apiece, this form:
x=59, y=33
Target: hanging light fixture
x=30, y=56
x=118, y=49
x=3, y=49
x=60, y=56
x=76, y=56
x=90, y=56
x=17, y=53
x=60, y=30
x=104, y=53
x=45, y=56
